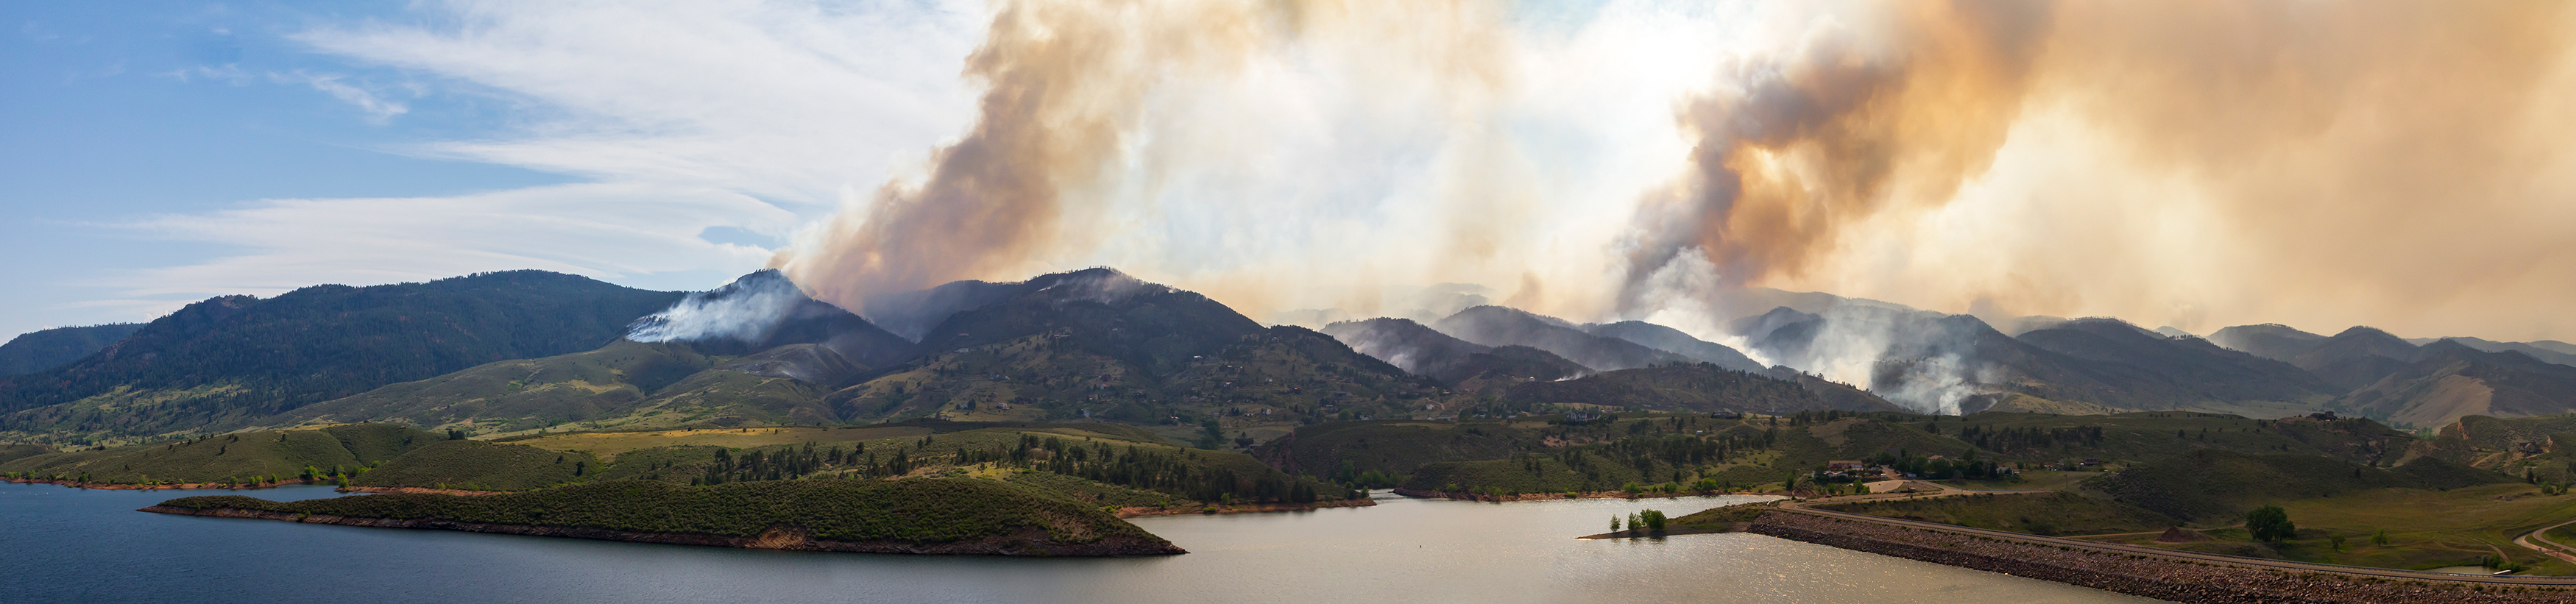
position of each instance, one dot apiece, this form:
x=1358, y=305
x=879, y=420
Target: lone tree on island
x=2270, y=523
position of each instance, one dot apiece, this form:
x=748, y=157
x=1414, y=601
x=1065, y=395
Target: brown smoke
x=1069, y=86
x=2371, y=162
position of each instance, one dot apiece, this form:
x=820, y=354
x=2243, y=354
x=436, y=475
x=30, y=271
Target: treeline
x=1178, y=472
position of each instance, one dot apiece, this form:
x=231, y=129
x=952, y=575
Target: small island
x=906, y=516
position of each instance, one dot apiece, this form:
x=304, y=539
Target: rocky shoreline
x=1032, y=542
x=2158, y=578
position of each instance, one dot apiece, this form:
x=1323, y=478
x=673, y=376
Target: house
x=1844, y=465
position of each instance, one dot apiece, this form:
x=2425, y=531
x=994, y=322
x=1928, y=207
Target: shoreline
x=1242, y=508
x=1425, y=494
x=114, y=486
x=1031, y=542
x=2147, y=576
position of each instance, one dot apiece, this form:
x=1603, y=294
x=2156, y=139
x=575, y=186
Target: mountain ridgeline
x=41, y=350
x=236, y=357
x=525, y=351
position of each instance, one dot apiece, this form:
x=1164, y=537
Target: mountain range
x=524, y=351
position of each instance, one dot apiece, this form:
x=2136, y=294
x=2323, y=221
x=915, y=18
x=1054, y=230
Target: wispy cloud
x=750, y=115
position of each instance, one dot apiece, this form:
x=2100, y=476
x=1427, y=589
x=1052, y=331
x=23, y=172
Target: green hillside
x=237, y=357
x=2211, y=484
x=281, y=454
x=480, y=466
x=624, y=385
x=915, y=511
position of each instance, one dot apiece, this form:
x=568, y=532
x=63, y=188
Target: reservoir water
x=69, y=545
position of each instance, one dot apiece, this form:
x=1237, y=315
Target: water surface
x=62, y=545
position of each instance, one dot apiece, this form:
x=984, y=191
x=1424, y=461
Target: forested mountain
x=41, y=350
x=240, y=356
x=1098, y=343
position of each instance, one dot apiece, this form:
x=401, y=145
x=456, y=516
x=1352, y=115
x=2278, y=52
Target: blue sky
x=163, y=152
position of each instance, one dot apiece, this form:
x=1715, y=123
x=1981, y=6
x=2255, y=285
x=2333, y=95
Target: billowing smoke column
x=1068, y=134
x=2188, y=163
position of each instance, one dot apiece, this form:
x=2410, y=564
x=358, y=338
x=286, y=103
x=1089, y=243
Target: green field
x=243, y=457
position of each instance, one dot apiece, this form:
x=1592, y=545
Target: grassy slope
x=480, y=466
x=282, y=454
x=2038, y=513
x=2212, y=485
x=912, y=510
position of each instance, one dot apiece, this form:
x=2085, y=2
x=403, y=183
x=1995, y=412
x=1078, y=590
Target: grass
x=276, y=454
x=480, y=466
x=2035, y=513
x=921, y=510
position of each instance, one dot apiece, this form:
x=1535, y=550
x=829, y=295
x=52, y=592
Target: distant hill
x=2546, y=350
x=1674, y=341
x=1692, y=387
x=2074, y=363
x=1501, y=326
x=1427, y=352
x=2357, y=357
x=2452, y=380
x=41, y=350
x=238, y=356
x=2186, y=367
x=2270, y=340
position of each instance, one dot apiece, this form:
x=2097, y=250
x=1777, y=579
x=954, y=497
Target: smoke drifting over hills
x=2194, y=164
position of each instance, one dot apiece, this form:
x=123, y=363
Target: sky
x=2197, y=164
x=164, y=152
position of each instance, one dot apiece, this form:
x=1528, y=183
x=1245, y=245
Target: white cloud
x=598, y=230
x=683, y=117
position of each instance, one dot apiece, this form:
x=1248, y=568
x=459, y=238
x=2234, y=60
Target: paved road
x=2554, y=549
x=2122, y=548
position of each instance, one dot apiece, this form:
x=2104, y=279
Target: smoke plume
x=2192, y=163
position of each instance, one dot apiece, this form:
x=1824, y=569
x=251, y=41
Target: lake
x=70, y=545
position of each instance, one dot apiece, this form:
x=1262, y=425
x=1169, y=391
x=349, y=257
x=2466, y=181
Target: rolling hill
x=1692, y=387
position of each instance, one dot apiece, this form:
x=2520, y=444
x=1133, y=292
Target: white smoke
x=747, y=310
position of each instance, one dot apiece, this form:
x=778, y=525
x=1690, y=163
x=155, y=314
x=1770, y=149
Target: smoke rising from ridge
x=2195, y=164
